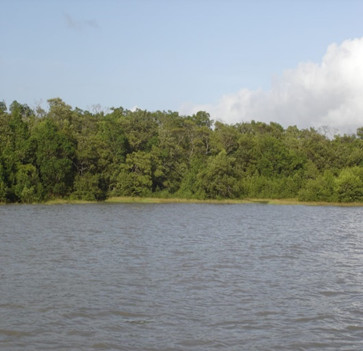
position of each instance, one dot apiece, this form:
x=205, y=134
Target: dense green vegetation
x=76, y=154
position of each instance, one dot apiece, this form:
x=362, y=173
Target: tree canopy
x=67, y=152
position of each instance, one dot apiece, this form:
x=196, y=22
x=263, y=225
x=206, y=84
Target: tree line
x=71, y=153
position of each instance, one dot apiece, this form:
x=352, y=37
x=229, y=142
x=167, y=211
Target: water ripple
x=181, y=277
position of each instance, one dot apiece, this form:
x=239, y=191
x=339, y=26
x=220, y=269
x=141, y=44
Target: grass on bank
x=152, y=200
x=156, y=200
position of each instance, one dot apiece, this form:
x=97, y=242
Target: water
x=180, y=277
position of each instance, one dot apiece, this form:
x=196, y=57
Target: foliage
x=135, y=175
x=349, y=185
x=54, y=159
x=219, y=179
x=71, y=153
x=28, y=188
x=320, y=189
x=88, y=187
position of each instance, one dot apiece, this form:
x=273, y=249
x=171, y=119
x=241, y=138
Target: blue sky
x=225, y=56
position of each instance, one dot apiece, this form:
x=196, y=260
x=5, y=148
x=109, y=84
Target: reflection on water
x=181, y=277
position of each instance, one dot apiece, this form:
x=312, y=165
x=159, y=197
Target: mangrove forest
x=69, y=153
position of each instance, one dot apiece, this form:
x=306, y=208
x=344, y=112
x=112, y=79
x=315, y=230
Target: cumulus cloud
x=329, y=93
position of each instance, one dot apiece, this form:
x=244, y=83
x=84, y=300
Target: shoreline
x=230, y=201
x=157, y=200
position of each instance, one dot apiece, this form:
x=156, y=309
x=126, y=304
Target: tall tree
x=55, y=159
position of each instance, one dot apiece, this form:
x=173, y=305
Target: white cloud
x=134, y=108
x=329, y=93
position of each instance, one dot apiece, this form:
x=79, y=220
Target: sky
x=294, y=62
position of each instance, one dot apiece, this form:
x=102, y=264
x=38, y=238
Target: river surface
x=157, y=277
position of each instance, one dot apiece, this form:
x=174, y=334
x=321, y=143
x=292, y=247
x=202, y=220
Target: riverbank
x=155, y=200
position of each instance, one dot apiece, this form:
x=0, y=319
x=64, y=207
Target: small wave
x=266, y=313
x=331, y=293
x=127, y=314
x=11, y=306
x=105, y=346
x=17, y=333
x=354, y=327
x=311, y=319
x=141, y=321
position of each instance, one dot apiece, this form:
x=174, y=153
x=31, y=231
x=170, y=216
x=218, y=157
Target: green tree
x=225, y=137
x=3, y=107
x=135, y=176
x=219, y=179
x=317, y=148
x=28, y=188
x=140, y=128
x=245, y=154
x=60, y=113
x=15, y=145
x=274, y=158
x=88, y=187
x=55, y=159
x=320, y=189
x=3, y=186
x=202, y=119
x=349, y=185
x=70, y=152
